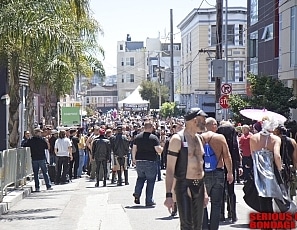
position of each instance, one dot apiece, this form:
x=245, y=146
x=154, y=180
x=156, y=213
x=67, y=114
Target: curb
x=14, y=197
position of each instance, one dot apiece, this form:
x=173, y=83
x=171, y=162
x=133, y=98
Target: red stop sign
x=224, y=101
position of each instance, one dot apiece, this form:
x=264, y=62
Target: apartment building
x=137, y=62
x=131, y=65
x=287, y=68
x=263, y=37
x=198, y=32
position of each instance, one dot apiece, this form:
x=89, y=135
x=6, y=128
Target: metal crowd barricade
x=15, y=167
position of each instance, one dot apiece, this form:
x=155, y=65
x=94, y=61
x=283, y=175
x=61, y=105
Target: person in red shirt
x=244, y=145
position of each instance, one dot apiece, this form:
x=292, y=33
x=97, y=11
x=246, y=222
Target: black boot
x=126, y=177
x=119, y=178
x=233, y=208
x=113, y=177
x=104, y=183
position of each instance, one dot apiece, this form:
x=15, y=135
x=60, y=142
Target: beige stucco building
x=287, y=71
x=198, y=41
x=136, y=62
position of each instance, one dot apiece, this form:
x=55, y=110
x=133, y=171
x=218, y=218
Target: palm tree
x=40, y=32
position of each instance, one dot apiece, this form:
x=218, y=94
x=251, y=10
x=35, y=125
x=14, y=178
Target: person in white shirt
x=63, y=152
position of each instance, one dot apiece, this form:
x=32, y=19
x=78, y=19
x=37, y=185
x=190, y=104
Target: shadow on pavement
x=23, y=215
x=139, y=207
x=167, y=218
x=239, y=225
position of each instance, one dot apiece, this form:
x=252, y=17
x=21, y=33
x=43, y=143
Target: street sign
x=224, y=101
x=226, y=88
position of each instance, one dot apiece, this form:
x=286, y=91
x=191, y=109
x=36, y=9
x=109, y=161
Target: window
x=121, y=47
x=253, y=45
x=230, y=34
x=231, y=71
x=123, y=78
x=190, y=41
x=190, y=73
x=122, y=62
x=268, y=33
x=292, y=37
x=127, y=61
x=240, y=34
x=213, y=32
x=187, y=41
x=175, y=47
x=253, y=52
x=131, y=78
x=131, y=61
x=241, y=72
x=254, y=12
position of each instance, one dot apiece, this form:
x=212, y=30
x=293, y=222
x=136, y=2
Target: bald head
x=211, y=124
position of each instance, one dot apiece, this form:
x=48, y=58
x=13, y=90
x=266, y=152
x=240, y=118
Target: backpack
x=210, y=158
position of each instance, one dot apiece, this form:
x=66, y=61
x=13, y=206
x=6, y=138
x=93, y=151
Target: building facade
x=263, y=37
x=131, y=66
x=198, y=39
x=287, y=71
x=136, y=63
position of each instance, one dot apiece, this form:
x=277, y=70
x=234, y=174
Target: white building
x=136, y=62
x=198, y=32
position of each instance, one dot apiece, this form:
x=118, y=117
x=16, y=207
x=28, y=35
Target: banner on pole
x=70, y=116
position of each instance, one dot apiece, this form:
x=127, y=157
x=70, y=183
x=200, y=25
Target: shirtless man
x=214, y=181
x=185, y=163
x=266, y=140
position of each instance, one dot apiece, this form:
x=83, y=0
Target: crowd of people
x=203, y=159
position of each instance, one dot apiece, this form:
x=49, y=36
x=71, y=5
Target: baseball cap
x=194, y=112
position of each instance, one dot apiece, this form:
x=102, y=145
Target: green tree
x=267, y=92
x=168, y=109
x=150, y=91
x=48, y=37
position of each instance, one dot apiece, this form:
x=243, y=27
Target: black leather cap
x=194, y=112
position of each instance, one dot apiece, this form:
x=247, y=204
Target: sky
x=141, y=19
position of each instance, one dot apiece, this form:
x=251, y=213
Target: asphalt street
x=80, y=205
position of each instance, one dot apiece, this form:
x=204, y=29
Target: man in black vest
x=185, y=164
x=101, y=154
x=120, y=148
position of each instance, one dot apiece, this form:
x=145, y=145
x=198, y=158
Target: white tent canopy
x=133, y=99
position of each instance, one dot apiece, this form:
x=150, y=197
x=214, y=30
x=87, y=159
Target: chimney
x=128, y=38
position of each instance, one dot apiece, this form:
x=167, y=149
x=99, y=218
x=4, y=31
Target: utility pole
x=171, y=58
x=226, y=50
x=160, y=80
x=219, y=22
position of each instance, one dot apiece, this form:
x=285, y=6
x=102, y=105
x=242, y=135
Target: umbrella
x=258, y=114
